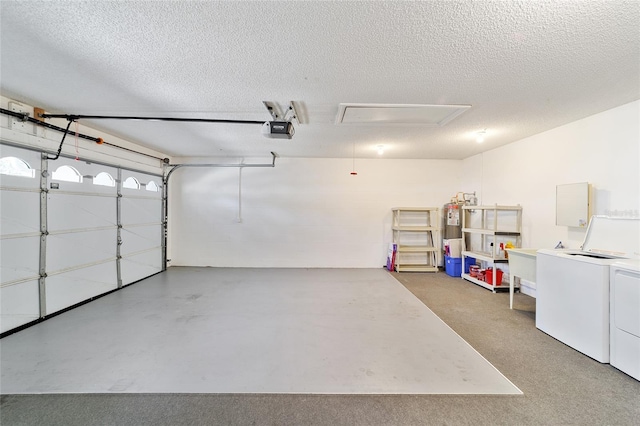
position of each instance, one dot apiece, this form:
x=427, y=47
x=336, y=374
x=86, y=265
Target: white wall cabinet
x=416, y=233
x=485, y=232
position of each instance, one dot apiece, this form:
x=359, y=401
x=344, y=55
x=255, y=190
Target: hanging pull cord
x=62, y=141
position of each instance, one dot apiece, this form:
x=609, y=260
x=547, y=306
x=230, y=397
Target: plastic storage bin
x=453, y=247
x=468, y=261
x=489, y=276
x=453, y=266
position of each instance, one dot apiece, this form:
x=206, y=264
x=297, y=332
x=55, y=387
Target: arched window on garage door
x=104, y=179
x=14, y=166
x=67, y=174
x=152, y=186
x=131, y=183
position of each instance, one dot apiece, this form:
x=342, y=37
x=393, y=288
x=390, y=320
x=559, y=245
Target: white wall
x=603, y=149
x=312, y=213
x=302, y=213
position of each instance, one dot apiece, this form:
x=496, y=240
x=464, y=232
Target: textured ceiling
x=523, y=66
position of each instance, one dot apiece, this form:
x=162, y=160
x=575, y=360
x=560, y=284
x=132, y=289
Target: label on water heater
x=453, y=216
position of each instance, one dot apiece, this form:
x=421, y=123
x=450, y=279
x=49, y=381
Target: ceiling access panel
x=19, y=241
x=414, y=114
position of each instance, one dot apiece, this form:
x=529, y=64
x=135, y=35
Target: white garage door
x=141, y=218
x=19, y=236
x=94, y=229
x=83, y=228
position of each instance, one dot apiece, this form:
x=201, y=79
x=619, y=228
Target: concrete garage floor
x=214, y=330
x=561, y=386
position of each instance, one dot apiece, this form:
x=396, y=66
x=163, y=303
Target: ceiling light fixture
x=481, y=135
x=380, y=149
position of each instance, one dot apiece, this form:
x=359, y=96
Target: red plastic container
x=489, y=277
x=474, y=270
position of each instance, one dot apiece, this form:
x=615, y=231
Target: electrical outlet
x=17, y=124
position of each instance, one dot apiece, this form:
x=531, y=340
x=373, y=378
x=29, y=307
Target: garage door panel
x=67, y=289
x=141, y=210
x=22, y=182
x=20, y=304
x=67, y=211
x=19, y=258
x=139, y=238
x=87, y=171
x=145, y=187
x=141, y=217
x=19, y=212
x=70, y=250
x=32, y=158
x=141, y=265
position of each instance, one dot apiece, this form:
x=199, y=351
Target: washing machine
x=625, y=317
x=572, y=295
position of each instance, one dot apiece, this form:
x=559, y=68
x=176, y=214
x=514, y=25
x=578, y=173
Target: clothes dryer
x=625, y=317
